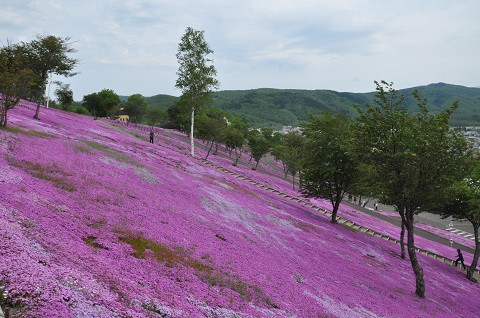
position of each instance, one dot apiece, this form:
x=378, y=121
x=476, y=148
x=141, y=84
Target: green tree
x=156, y=116
x=234, y=139
x=267, y=133
x=136, y=108
x=329, y=166
x=196, y=74
x=49, y=55
x=294, y=153
x=288, y=149
x=15, y=79
x=259, y=146
x=211, y=127
x=102, y=103
x=279, y=152
x=64, y=94
x=363, y=188
x=461, y=201
x=414, y=157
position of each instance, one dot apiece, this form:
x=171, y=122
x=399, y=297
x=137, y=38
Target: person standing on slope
x=152, y=134
x=460, y=258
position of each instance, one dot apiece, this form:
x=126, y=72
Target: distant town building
x=471, y=135
x=289, y=129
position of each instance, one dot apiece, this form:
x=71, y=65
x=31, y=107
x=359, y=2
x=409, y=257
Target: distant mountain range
x=279, y=107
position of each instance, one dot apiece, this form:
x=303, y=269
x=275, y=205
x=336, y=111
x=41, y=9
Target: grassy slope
x=95, y=221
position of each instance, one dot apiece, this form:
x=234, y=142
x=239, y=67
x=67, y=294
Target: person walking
x=460, y=258
x=152, y=135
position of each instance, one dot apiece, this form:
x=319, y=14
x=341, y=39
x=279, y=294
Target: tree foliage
x=136, y=108
x=15, y=79
x=196, y=73
x=179, y=115
x=64, y=94
x=156, y=116
x=414, y=157
x=259, y=146
x=102, y=103
x=234, y=140
x=48, y=55
x=461, y=201
x=288, y=149
x=211, y=126
x=329, y=166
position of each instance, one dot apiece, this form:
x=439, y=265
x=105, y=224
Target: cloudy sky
x=130, y=45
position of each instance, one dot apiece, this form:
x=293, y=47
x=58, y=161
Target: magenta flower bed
x=97, y=223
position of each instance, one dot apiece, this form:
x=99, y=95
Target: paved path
x=428, y=235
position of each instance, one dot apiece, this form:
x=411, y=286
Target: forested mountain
x=279, y=107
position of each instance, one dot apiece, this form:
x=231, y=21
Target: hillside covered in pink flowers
x=97, y=222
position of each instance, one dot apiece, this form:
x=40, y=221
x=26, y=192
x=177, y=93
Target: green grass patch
x=82, y=149
x=115, y=154
x=29, y=132
x=177, y=256
x=98, y=224
x=90, y=241
x=47, y=173
x=95, y=145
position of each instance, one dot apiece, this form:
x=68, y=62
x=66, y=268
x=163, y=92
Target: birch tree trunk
x=192, y=145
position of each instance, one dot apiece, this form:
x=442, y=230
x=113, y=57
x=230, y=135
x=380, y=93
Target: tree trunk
x=256, y=166
x=473, y=266
x=403, y=222
x=402, y=241
x=3, y=119
x=37, y=111
x=417, y=269
x=216, y=149
x=236, y=157
x=209, y=149
x=192, y=145
x=365, y=202
x=293, y=181
x=335, y=211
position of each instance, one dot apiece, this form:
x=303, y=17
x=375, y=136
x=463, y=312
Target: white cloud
x=129, y=46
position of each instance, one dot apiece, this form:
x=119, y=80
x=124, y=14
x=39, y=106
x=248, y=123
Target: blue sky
x=130, y=45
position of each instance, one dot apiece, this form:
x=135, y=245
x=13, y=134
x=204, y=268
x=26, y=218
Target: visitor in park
x=152, y=134
x=376, y=206
x=460, y=258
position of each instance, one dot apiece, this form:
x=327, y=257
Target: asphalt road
x=426, y=218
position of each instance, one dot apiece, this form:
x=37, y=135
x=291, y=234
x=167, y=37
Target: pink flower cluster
x=97, y=222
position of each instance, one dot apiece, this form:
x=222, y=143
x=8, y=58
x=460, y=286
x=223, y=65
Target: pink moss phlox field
x=97, y=222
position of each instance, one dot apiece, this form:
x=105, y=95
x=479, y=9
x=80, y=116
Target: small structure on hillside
x=122, y=115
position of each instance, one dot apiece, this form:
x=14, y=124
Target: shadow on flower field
x=97, y=222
